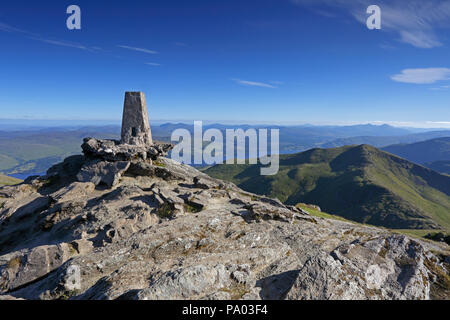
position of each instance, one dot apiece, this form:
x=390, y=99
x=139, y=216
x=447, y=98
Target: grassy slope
x=416, y=233
x=359, y=183
x=321, y=214
x=5, y=180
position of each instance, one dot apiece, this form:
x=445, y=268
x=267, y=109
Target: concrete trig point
x=135, y=126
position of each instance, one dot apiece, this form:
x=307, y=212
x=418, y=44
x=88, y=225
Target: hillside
x=360, y=183
x=5, y=180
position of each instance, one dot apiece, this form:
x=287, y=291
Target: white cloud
x=152, y=64
x=253, y=83
x=139, y=49
x=439, y=122
x=415, y=21
x=420, y=39
x=422, y=76
x=416, y=124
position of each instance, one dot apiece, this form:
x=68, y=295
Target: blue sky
x=287, y=61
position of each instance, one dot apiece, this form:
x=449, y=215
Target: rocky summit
x=137, y=225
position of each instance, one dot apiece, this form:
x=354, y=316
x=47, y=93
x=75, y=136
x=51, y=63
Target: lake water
x=23, y=176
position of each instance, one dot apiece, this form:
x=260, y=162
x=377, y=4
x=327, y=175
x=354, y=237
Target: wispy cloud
x=440, y=88
x=420, y=39
x=253, y=83
x=34, y=36
x=139, y=49
x=276, y=82
x=387, y=46
x=63, y=43
x=7, y=28
x=415, y=124
x=154, y=64
x=439, y=122
x=415, y=21
x=422, y=76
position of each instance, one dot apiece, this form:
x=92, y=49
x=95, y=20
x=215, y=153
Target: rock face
x=135, y=126
x=105, y=161
x=105, y=172
x=137, y=225
x=113, y=150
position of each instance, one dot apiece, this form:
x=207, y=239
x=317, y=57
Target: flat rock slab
x=99, y=172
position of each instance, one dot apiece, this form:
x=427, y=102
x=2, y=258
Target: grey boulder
x=104, y=172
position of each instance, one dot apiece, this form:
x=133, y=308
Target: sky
x=283, y=61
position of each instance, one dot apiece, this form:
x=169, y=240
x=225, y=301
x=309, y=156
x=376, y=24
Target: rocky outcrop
x=138, y=226
x=104, y=172
x=113, y=150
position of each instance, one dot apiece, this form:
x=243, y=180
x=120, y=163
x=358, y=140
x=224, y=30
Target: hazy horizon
x=91, y=122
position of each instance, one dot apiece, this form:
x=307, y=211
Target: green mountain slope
x=424, y=151
x=5, y=180
x=360, y=183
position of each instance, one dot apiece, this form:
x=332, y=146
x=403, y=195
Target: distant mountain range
x=32, y=151
x=300, y=138
x=383, y=141
x=360, y=183
x=434, y=154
